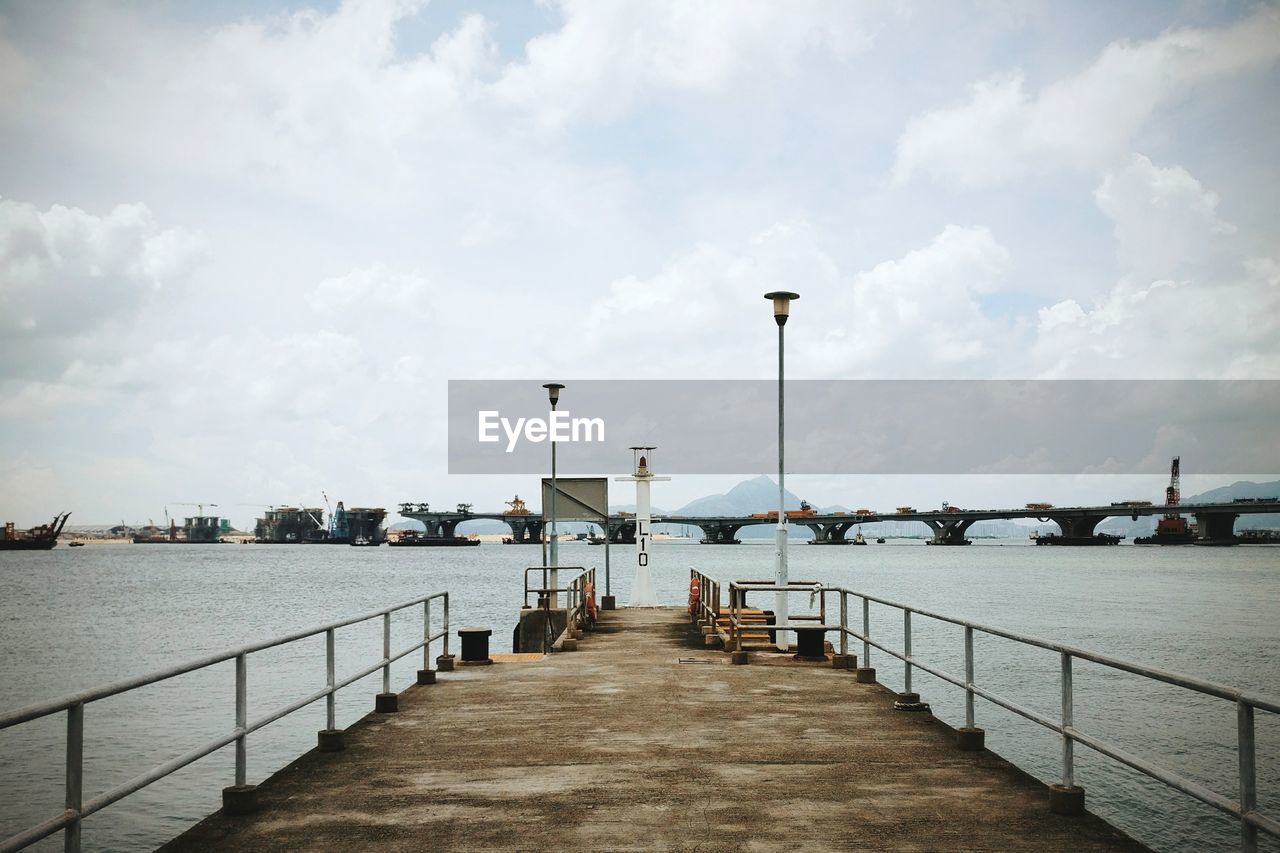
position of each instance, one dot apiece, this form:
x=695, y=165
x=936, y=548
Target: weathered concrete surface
x=620, y=745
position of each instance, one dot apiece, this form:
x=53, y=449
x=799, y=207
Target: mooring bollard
x=475, y=646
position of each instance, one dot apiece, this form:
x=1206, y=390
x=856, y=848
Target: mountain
x=759, y=494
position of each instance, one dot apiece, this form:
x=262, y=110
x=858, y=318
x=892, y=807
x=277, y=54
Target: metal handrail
x=576, y=595
x=737, y=599
x=1244, y=808
x=547, y=587
x=77, y=810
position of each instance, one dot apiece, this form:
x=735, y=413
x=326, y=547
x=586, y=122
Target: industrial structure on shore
x=285, y=525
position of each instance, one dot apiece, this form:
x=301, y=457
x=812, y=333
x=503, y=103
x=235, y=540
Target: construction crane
x=1173, y=494
x=319, y=523
x=1173, y=524
x=200, y=507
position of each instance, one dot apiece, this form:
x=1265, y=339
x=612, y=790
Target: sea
x=71, y=619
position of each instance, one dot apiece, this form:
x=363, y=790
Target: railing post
x=242, y=717
x=446, y=624
x=1248, y=779
x=866, y=633
x=75, y=776
x=241, y=798
x=906, y=652
x=970, y=738
x=844, y=622
x=426, y=634
x=1068, y=745
x=1067, y=798
x=968, y=677
x=386, y=702
x=386, y=652
x=331, y=715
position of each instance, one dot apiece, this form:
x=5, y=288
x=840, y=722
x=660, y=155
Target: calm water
x=74, y=618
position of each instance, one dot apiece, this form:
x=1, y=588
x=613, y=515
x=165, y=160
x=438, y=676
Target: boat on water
x=879, y=540
x=1059, y=539
x=1185, y=537
x=859, y=539
x=413, y=538
x=42, y=537
x=75, y=544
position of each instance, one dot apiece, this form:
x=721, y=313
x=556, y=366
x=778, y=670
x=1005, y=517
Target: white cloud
x=918, y=315
x=608, y=54
x=375, y=289
x=1002, y=132
x=1183, y=307
x=65, y=274
x=1165, y=222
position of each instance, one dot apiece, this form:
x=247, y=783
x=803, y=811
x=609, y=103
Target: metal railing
x=707, y=610
x=77, y=809
x=580, y=588
x=710, y=609
x=1244, y=807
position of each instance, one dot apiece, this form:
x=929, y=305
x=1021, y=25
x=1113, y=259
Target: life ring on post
x=693, y=596
x=591, y=601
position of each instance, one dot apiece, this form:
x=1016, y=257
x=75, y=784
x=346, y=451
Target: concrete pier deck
x=642, y=739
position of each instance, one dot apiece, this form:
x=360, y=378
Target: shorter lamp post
x=553, y=393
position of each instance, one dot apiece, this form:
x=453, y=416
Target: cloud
x=1001, y=132
x=917, y=315
x=65, y=274
x=1165, y=222
x=375, y=289
x=606, y=55
x=1184, y=306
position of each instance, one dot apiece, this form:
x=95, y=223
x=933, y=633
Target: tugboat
x=858, y=540
x=39, y=538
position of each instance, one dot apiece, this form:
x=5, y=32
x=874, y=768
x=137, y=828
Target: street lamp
x=553, y=393
x=781, y=309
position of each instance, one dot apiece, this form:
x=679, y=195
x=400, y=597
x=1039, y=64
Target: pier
x=700, y=727
x=645, y=738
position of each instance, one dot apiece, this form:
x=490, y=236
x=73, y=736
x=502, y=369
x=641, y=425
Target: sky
x=245, y=245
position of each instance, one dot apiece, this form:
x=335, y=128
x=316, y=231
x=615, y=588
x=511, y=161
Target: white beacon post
x=642, y=594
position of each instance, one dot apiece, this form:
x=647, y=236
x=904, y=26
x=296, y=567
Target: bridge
x=1215, y=522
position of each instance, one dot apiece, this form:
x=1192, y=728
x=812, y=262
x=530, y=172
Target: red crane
x=1173, y=524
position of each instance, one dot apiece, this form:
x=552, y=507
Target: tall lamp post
x=781, y=308
x=553, y=393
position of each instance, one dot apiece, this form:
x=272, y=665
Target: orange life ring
x=591, y=601
x=693, y=596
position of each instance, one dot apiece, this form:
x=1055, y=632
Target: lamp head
x=781, y=304
x=553, y=391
